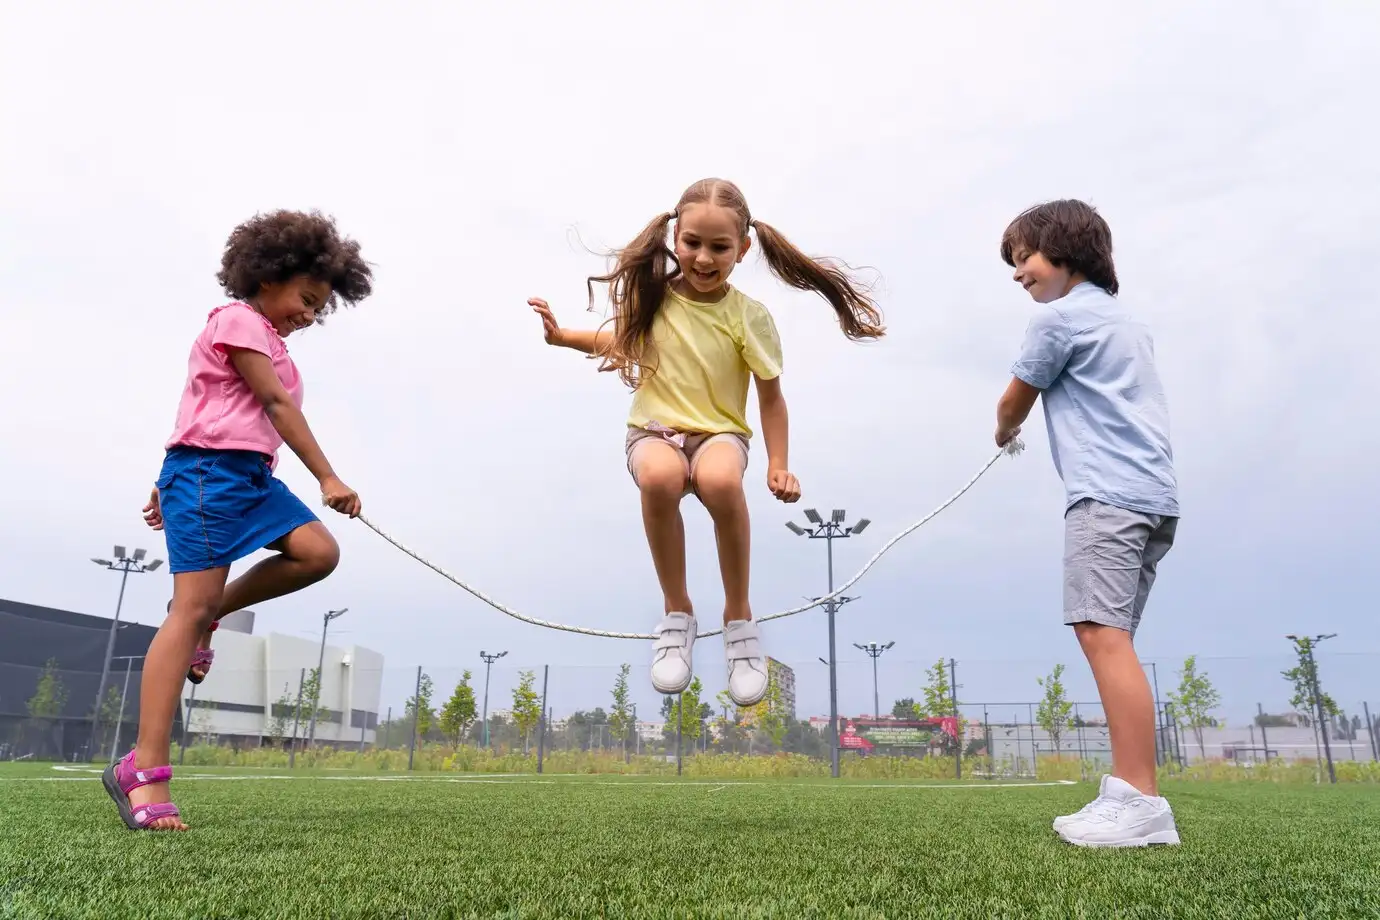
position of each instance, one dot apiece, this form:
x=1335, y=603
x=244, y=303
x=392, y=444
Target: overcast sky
x=479, y=159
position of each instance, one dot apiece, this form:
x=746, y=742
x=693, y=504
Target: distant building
x=785, y=681
x=250, y=691
x=784, y=676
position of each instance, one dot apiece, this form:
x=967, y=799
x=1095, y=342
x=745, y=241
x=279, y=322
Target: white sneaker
x=1124, y=818
x=747, y=666
x=671, y=659
x=1063, y=820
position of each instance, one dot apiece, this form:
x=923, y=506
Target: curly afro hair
x=276, y=247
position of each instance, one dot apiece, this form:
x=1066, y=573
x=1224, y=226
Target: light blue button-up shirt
x=1105, y=407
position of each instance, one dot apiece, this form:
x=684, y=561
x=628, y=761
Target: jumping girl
x=687, y=343
x=216, y=497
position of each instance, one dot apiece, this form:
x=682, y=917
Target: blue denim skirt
x=222, y=505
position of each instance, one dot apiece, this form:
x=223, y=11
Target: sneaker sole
x=668, y=690
x=1157, y=839
x=751, y=701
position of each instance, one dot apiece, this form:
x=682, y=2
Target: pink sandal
x=121, y=778
x=203, y=658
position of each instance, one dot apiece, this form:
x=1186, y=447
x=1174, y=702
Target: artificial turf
x=568, y=847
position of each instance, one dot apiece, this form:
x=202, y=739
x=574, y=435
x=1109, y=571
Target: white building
x=254, y=683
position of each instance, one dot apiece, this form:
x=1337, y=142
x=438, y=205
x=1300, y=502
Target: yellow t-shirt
x=704, y=356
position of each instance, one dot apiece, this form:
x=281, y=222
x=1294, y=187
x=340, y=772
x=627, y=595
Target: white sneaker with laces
x=1124, y=818
x=747, y=666
x=1063, y=820
x=671, y=653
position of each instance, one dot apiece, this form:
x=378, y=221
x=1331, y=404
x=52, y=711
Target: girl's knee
x=320, y=556
x=720, y=490
x=201, y=609
x=661, y=484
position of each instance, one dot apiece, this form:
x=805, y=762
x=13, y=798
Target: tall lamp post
x=1307, y=643
x=320, y=678
x=829, y=531
x=489, y=660
x=124, y=565
x=874, y=651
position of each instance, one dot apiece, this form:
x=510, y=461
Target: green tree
x=459, y=711
x=109, y=714
x=937, y=701
x=1306, y=699
x=729, y=732
x=1303, y=677
x=904, y=708
x=526, y=706
x=620, y=719
x=1194, y=701
x=280, y=714
x=311, y=698
x=766, y=714
x=688, y=702
x=774, y=722
x=425, y=715
x=50, y=696
x=1053, y=712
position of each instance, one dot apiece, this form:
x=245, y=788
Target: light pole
x=488, y=665
x=829, y=531
x=120, y=719
x=874, y=651
x=1307, y=643
x=124, y=565
x=320, y=664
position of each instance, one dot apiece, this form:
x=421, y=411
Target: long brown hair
x=647, y=267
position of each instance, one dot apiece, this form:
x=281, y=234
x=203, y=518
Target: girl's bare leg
x=305, y=556
x=661, y=480
x=196, y=598
x=719, y=484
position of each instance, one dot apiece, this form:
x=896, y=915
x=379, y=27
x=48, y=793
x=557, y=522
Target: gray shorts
x=1110, y=555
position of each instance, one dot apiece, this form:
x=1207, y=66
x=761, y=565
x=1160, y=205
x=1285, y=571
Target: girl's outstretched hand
x=550, y=329
x=784, y=485
x=153, y=511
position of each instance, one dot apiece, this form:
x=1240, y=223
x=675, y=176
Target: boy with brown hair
x=1108, y=422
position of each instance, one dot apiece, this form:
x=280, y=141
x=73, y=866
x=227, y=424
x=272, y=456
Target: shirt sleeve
x=761, y=345
x=237, y=327
x=1046, y=350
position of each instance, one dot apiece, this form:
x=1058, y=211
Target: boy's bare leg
x=1127, y=700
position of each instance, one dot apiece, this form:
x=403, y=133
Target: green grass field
x=265, y=844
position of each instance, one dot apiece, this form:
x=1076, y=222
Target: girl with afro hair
x=216, y=497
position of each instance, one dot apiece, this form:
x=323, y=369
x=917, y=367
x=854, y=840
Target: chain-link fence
x=919, y=717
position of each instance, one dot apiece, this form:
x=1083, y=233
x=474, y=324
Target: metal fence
x=46, y=712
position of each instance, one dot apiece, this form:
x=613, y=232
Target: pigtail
x=637, y=285
x=856, y=312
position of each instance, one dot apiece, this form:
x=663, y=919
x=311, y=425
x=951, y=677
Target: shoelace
x=1091, y=806
x=1107, y=810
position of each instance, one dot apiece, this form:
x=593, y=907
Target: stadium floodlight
x=829, y=531
x=123, y=564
